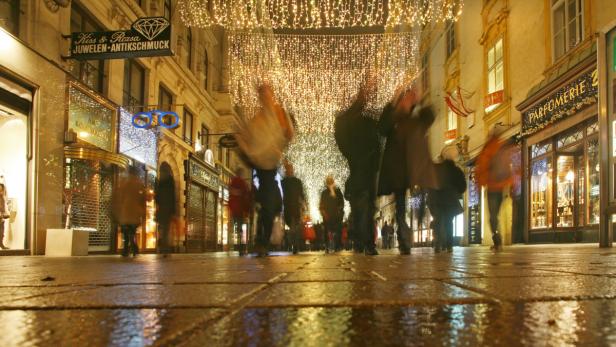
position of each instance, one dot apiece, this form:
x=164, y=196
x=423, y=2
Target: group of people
x=405, y=163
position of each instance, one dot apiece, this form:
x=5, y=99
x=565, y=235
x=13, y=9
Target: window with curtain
x=9, y=16
x=188, y=127
x=89, y=72
x=567, y=25
x=134, y=86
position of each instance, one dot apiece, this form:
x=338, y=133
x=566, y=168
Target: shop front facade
x=560, y=150
x=141, y=146
x=91, y=166
x=202, y=191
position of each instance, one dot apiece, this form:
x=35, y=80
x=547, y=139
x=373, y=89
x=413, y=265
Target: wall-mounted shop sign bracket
x=148, y=37
x=145, y=119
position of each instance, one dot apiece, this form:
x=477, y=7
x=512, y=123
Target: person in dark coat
x=406, y=160
x=357, y=137
x=331, y=206
x=444, y=203
x=386, y=230
x=294, y=200
x=128, y=207
x=268, y=197
x=165, y=209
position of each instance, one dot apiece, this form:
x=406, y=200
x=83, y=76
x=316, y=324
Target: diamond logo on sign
x=150, y=27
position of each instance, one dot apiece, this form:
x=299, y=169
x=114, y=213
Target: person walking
x=165, y=209
x=357, y=137
x=385, y=230
x=262, y=142
x=331, y=206
x=444, y=202
x=294, y=200
x=494, y=172
x=239, y=205
x=4, y=213
x=128, y=207
x=406, y=161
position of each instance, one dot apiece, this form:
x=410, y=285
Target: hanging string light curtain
x=317, y=76
x=316, y=14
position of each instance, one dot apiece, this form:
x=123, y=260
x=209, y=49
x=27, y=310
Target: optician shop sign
x=566, y=101
x=147, y=37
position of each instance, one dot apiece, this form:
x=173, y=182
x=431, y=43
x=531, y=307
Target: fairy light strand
x=315, y=77
x=316, y=14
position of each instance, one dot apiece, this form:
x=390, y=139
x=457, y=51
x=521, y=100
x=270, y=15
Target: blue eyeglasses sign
x=143, y=120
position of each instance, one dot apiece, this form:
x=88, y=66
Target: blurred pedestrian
x=406, y=160
x=239, y=205
x=385, y=232
x=494, y=172
x=4, y=213
x=357, y=137
x=294, y=200
x=331, y=206
x=444, y=202
x=165, y=209
x=128, y=208
x=262, y=141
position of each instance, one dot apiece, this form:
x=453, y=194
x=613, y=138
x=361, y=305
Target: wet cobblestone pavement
x=526, y=295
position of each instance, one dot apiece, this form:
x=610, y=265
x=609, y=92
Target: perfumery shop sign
x=199, y=173
x=566, y=101
x=147, y=37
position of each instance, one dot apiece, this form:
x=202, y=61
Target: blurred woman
x=262, y=141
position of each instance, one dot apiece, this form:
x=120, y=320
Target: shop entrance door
x=13, y=176
x=570, y=192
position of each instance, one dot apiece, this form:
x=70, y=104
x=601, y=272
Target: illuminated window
x=567, y=25
x=452, y=120
x=188, y=127
x=495, y=67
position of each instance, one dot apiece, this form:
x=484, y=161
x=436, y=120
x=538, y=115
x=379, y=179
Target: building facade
x=66, y=131
x=528, y=68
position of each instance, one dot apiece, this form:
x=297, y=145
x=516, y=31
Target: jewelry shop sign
x=147, y=37
x=566, y=101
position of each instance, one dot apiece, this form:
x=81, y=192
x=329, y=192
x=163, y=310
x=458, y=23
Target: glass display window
x=565, y=194
x=541, y=193
x=593, y=170
x=568, y=196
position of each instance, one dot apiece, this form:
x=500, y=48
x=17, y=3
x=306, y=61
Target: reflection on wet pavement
x=548, y=296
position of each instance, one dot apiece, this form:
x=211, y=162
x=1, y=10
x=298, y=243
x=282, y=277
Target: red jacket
x=494, y=165
x=239, y=198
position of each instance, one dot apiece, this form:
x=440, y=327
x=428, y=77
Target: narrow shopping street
x=532, y=295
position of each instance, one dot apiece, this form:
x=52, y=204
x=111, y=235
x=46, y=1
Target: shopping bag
x=277, y=232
